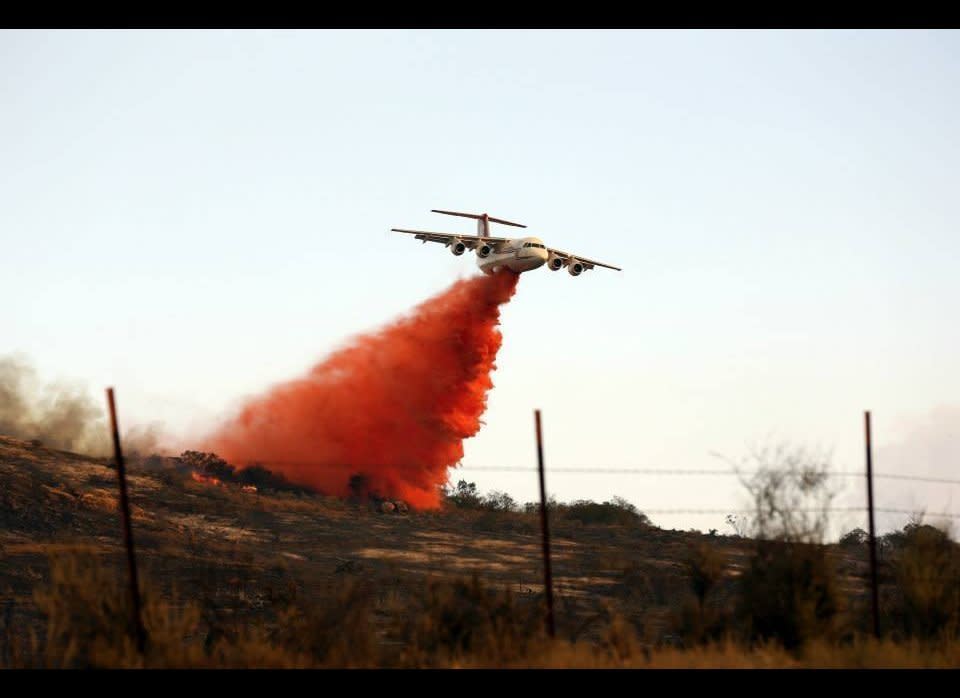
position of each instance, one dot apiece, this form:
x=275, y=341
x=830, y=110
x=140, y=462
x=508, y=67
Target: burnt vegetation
x=281, y=576
x=256, y=475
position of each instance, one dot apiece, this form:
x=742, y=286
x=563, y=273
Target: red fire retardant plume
x=393, y=406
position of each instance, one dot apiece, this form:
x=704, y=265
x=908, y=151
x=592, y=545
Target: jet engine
x=555, y=263
x=574, y=267
x=484, y=250
x=457, y=247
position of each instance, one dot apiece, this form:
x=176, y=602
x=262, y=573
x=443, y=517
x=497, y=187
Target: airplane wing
x=588, y=263
x=471, y=241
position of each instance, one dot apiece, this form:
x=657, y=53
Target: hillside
x=238, y=550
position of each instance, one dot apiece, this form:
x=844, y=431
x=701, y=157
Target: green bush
x=498, y=501
x=464, y=496
x=616, y=511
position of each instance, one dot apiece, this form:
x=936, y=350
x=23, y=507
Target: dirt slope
x=243, y=547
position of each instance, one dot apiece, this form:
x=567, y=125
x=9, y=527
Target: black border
x=448, y=15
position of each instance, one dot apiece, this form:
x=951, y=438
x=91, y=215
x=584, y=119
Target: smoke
x=390, y=410
x=61, y=415
x=926, y=445
x=929, y=443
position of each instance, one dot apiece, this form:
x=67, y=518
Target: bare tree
x=790, y=492
x=788, y=589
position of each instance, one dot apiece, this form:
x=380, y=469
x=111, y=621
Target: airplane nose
x=540, y=258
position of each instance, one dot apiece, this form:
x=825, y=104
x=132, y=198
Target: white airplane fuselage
x=495, y=253
x=519, y=255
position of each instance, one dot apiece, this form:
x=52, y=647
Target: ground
x=239, y=550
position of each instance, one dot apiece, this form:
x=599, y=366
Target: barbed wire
x=715, y=471
x=698, y=472
x=631, y=471
x=833, y=510
x=681, y=472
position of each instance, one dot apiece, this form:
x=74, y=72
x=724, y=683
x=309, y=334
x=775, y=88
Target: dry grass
x=363, y=622
x=240, y=579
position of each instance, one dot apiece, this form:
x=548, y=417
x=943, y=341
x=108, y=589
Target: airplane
x=493, y=253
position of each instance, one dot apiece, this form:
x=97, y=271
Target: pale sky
x=192, y=216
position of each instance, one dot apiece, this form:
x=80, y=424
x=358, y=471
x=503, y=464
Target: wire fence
x=717, y=472
x=694, y=472
x=674, y=471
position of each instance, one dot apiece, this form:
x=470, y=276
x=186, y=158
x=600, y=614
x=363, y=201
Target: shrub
x=212, y=465
x=264, y=479
x=616, y=511
x=498, y=501
x=455, y=619
x=465, y=495
x=925, y=600
x=706, y=566
x=855, y=538
x=209, y=464
x=534, y=507
x=788, y=593
x=335, y=632
x=87, y=609
x=699, y=622
x=789, y=491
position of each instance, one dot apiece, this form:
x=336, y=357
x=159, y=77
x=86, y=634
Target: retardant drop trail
x=394, y=406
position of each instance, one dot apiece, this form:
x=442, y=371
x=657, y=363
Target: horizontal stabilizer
x=479, y=216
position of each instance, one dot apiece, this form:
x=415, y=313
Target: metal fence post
x=874, y=589
x=547, y=572
x=141, y=634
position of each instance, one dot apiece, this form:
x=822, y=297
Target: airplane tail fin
x=483, y=221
